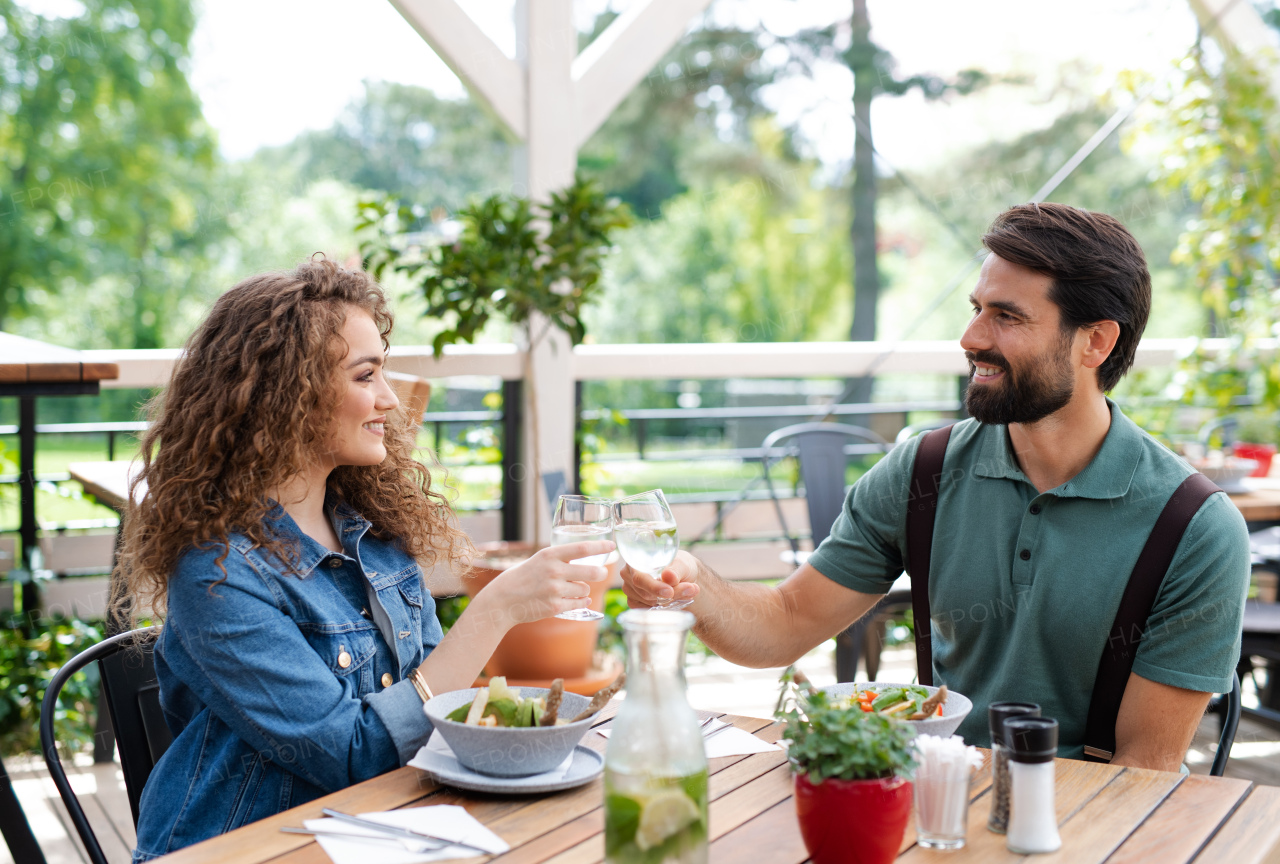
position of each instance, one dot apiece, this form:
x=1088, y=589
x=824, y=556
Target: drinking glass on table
x=579, y=518
x=645, y=532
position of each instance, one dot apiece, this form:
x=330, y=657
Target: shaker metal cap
x=999, y=712
x=1031, y=739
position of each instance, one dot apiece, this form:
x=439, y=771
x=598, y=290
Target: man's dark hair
x=1099, y=272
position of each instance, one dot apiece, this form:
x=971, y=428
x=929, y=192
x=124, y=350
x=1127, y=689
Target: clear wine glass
x=645, y=532
x=579, y=518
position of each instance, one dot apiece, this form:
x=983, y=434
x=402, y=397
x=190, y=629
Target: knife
x=399, y=832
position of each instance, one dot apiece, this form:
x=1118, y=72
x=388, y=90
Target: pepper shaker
x=1033, y=824
x=997, y=714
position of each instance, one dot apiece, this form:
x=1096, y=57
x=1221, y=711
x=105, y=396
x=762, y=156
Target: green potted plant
x=852, y=797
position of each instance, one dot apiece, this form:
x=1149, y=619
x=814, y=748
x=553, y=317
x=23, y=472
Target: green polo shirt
x=1024, y=586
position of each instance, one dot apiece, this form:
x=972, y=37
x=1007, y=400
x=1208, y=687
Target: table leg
x=27, y=476
x=14, y=826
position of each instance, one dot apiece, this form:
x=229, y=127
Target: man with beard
x=1048, y=496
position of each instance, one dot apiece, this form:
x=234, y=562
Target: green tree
x=404, y=141
x=1223, y=154
x=103, y=157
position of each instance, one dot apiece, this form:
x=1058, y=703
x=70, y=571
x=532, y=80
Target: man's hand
x=679, y=581
x=1156, y=724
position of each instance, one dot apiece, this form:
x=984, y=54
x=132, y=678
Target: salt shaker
x=997, y=714
x=1033, y=744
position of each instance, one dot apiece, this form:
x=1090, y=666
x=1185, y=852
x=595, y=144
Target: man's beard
x=1025, y=395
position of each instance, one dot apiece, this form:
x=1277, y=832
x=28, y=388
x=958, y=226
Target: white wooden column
x=546, y=44
x=551, y=99
x=1235, y=25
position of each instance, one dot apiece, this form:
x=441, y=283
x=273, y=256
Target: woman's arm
x=545, y=585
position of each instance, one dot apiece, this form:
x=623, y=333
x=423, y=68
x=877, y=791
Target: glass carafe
x=655, y=767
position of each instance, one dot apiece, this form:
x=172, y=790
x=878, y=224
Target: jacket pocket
x=348, y=650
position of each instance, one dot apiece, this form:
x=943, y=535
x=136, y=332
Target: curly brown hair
x=244, y=412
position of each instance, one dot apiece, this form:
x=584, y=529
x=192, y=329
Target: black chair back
x=127, y=668
x=133, y=701
x=822, y=450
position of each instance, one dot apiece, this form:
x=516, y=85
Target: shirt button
x=364, y=613
x=1025, y=554
x=1035, y=509
x=387, y=680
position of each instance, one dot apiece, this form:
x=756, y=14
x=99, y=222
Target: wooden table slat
x=773, y=836
x=1251, y=835
x=1102, y=825
x=263, y=841
x=1187, y=818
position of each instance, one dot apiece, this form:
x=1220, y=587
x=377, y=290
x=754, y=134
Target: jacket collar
x=1109, y=475
x=349, y=525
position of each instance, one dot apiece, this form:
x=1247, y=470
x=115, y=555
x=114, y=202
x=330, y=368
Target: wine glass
x=579, y=518
x=645, y=532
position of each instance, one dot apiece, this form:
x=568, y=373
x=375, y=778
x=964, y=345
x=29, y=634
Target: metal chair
x=822, y=450
x=1227, y=707
x=127, y=668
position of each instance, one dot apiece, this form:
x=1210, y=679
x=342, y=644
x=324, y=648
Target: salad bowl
x=500, y=751
x=954, y=710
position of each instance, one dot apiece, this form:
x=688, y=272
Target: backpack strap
x=922, y=506
x=1135, y=607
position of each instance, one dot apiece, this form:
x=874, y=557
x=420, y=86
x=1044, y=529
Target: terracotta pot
x=549, y=648
x=853, y=821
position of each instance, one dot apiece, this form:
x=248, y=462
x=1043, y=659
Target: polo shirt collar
x=1108, y=476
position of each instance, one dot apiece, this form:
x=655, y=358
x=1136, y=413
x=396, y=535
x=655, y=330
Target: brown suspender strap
x=922, y=506
x=1135, y=607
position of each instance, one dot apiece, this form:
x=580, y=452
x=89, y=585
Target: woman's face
x=367, y=397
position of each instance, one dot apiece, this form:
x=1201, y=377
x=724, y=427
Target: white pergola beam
x=620, y=57
x=493, y=77
x=1236, y=26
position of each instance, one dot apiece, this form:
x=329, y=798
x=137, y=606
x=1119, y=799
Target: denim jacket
x=280, y=688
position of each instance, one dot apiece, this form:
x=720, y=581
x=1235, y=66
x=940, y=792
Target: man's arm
x=752, y=624
x=1156, y=724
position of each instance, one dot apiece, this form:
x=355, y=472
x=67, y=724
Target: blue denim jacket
x=281, y=688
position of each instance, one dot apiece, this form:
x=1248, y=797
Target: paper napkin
x=436, y=755
x=731, y=742
x=442, y=820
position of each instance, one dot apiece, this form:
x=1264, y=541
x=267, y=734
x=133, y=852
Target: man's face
x=1022, y=367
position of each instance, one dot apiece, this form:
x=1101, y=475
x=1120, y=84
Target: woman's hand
x=546, y=584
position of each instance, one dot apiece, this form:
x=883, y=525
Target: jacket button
x=335, y=563
x=364, y=613
x=1025, y=554
x=344, y=659
x=387, y=680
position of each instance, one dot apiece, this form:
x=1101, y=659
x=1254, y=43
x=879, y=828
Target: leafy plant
x=512, y=259
x=1223, y=155
x=30, y=655
x=840, y=742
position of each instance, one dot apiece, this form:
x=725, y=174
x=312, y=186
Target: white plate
x=587, y=765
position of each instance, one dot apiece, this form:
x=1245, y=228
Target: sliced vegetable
x=887, y=698
x=504, y=709
x=477, y=707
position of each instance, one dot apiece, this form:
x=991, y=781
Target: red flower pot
x=1260, y=453
x=853, y=821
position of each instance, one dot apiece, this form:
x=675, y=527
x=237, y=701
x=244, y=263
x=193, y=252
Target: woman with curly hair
x=280, y=525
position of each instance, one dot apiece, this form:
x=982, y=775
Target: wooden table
x=1106, y=813
x=29, y=369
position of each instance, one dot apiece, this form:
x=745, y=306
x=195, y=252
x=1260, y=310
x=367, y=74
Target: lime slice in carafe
x=665, y=815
